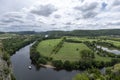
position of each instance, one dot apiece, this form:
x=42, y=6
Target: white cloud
x=43, y=15
x=44, y=10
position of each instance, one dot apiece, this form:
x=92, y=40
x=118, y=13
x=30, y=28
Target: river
x=115, y=51
x=21, y=60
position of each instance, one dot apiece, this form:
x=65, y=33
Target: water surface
x=115, y=51
x=21, y=60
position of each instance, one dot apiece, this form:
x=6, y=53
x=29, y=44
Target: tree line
x=86, y=61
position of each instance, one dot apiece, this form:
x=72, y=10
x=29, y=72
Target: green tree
x=86, y=54
x=58, y=63
x=81, y=77
x=42, y=60
x=67, y=65
x=6, y=56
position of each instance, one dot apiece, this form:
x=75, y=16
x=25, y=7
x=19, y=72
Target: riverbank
x=8, y=47
x=5, y=70
x=47, y=66
x=21, y=60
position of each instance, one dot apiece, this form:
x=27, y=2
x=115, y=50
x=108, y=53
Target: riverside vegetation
x=110, y=73
x=9, y=43
x=73, y=53
x=80, y=53
x=70, y=50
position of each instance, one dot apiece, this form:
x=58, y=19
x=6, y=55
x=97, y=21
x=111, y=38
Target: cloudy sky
x=43, y=15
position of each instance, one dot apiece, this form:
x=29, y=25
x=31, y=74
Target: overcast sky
x=43, y=15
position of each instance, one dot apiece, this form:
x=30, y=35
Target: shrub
x=42, y=60
x=6, y=56
x=6, y=70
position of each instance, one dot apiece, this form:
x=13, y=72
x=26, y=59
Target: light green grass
x=116, y=43
x=69, y=52
x=99, y=58
x=117, y=67
x=6, y=35
x=81, y=39
x=45, y=47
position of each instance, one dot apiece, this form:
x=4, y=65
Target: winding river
x=21, y=60
x=115, y=51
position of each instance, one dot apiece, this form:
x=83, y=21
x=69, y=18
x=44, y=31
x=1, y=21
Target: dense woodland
x=13, y=44
x=102, y=32
x=106, y=32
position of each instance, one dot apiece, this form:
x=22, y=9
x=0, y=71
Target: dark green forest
x=57, y=33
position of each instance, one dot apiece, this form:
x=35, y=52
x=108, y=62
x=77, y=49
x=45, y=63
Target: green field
x=116, y=43
x=6, y=35
x=99, y=58
x=114, y=68
x=81, y=39
x=45, y=47
x=68, y=51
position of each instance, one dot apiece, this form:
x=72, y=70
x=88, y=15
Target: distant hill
x=102, y=32
x=1, y=32
x=24, y=32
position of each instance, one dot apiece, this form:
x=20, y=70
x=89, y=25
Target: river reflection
x=115, y=51
x=21, y=60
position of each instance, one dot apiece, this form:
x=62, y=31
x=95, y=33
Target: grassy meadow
x=45, y=47
x=115, y=43
x=68, y=51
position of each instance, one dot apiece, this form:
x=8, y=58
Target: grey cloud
x=77, y=18
x=66, y=27
x=88, y=10
x=30, y=17
x=57, y=16
x=116, y=3
x=6, y=21
x=53, y=24
x=68, y=23
x=44, y=10
x=88, y=7
x=15, y=27
x=2, y=24
x=10, y=20
x=82, y=0
x=13, y=14
x=89, y=14
x=54, y=28
x=114, y=23
x=11, y=17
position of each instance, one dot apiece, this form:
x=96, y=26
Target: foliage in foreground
x=95, y=74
